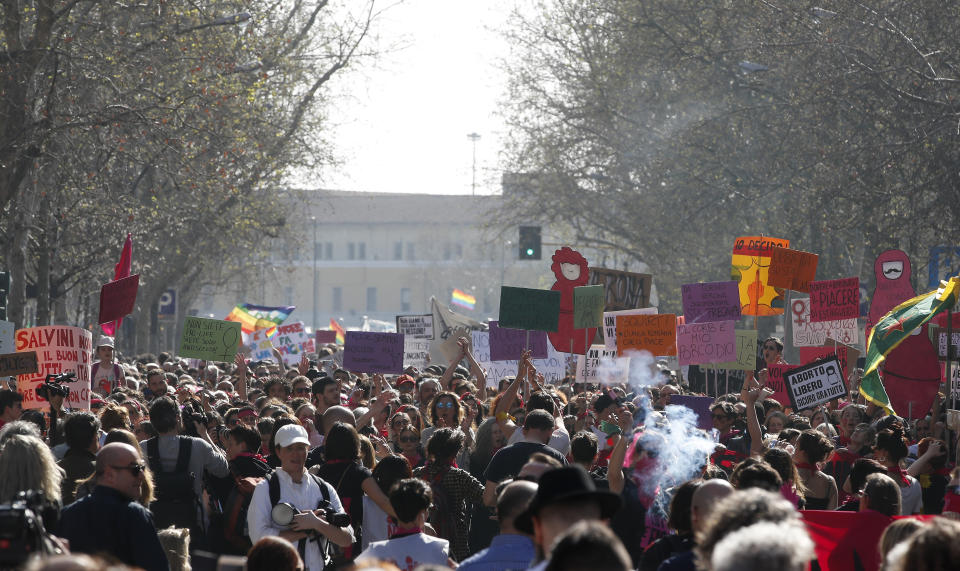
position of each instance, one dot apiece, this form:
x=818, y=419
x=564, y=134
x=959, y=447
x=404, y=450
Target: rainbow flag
x=252, y=317
x=463, y=299
x=334, y=326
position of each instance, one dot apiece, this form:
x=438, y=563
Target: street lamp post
x=316, y=285
x=474, y=137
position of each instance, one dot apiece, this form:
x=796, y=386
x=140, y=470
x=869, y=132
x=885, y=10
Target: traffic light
x=529, y=242
x=4, y=293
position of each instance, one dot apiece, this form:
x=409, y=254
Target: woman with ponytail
x=890, y=450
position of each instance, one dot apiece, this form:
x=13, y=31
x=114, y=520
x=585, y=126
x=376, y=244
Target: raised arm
x=476, y=370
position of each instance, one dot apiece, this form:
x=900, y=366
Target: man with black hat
x=564, y=497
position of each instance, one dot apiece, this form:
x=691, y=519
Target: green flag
x=896, y=326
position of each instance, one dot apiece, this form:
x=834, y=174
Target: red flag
x=121, y=270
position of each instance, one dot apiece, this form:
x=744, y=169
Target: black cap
x=561, y=484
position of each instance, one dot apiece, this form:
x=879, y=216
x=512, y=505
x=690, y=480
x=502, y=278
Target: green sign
x=523, y=308
x=588, y=304
x=209, y=339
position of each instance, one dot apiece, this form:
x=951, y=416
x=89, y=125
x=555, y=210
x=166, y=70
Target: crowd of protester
x=179, y=464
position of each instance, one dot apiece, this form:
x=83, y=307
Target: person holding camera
x=298, y=506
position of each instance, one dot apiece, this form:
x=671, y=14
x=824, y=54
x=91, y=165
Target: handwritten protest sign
x=746, y=340
x=749, y=266
x=792, y=269
x=711, y=342
x=416, y=326
x=416, y=352
x=601, y=365
x=59, y=349
x=13, y=364
x=117, y=298
x=700, y=406
x=816, y=383
x=588, y=304
x=524, y=308
x=654, y=333
x=808, y=333
x=290, y=339
x=610, y=324
x=942, y=346
x=832, y=300
x=370, y=352
x=209, y=339
x=776, y=383
x=846, y=355
x=624, y=290
x=553, y=368
x=324, y=336
x=508, y=344
x=712, y=301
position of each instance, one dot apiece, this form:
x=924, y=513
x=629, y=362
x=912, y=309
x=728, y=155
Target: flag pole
x=947, y=367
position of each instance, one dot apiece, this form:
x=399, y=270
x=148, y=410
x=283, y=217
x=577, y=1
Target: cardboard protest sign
x=290, y=339
x=712, y=301
x=746, y=340
x=700, y=407
x=59, y=349
x=942, y=345
x=832, y=300
x=601, y=365
x=624, y=290
x=588, y=304
x=654, y=333
x=525, y=308
x=446, y=350
x=846, y=355
x=808, y=333
x=610, y=324
x=553, y=368
x=416, y=326
x=508, y=344
x=792, y=269
x=416, y=352
x=117, y=298
x=370, y=352
x=209, y=339
x=749, y=266
x=13, y=364
x=324, y=336
x=776, y=383
x=816, y=383
x=711, y=342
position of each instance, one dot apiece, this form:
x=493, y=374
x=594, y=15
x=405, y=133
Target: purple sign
x=369, y=352
x=700, y=407
x=508, y=344
x=712, y=301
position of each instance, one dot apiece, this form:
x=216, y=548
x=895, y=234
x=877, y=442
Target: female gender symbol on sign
x=230, y=339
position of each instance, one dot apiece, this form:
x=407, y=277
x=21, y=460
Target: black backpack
x=176, y=502
x=326, y=547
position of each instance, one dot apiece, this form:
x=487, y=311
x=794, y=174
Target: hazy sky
x=402, y=124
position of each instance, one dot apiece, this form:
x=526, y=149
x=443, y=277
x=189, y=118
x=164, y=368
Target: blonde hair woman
x=26, y=463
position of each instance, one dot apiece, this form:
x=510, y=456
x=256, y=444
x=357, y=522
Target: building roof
x=386, y=207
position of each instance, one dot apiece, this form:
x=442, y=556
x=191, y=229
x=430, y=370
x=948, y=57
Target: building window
x=405, y=299
x=410, y=253
x=398, y=250
x=328, y=250
x=338, y=299
x=351, y=251
x=371, y=299
x=362, y=251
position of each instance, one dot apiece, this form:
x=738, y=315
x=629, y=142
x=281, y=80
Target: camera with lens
x=23, y=524
x=52, y=385
x=282, y=514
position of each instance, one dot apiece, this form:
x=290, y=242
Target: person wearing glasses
x=110, y=520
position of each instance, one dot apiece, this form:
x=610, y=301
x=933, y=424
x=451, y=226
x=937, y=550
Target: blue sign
x=944, y=264
x=168, y=304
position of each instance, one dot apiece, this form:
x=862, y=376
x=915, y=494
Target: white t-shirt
x=105, y=378
x=559, y=440
x=911, y=497
x=410, y=551
x=377, y=525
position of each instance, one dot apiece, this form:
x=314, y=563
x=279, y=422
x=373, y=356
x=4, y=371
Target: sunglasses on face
x=302, y=391
x=445, y=404
x=136, y=469
x=408, y=439
x=401, y=422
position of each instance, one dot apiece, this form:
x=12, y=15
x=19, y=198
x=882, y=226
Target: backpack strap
x=183, y=455
x=153, y=454
x=273, y=484
x=323, y=487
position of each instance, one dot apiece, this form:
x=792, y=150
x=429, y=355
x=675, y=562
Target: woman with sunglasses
x=447, y=412
x=408, y=443
x=398, y=422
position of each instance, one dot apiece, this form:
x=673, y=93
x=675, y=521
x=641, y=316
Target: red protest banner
x=117, y=298
x=831, y=300
x=325, y=336
x=776, y=383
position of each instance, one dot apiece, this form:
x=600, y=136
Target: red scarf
x=252, y=455
x=805, y=466
x=897, y=473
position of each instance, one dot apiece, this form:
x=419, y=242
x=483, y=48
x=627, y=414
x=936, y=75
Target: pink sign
x=508, y=344
x=325, y=336
x=776, y=383
x=701, y=343
x=832, y=300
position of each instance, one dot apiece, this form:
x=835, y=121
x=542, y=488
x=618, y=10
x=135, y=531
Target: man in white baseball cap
x=292, y=484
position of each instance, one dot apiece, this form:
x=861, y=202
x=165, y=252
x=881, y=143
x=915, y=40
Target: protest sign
x=892, y=285
x=601, y=365
x=776, y=383
x=832, y=300
x=416, y=352
x=816, y=383
x=610, y=324
x=846, y=355
x=654, y=333
x=712, y=301
x=588, y=304
x=746, y=340
x=416, y=326
x=749, y=266
x=623, y=290
x=13, y=364
x=792, y=269
x=942, y=346
x=209, y=339
x=290, y=339
x=508, y=344
x=711, y=342
x=370, y=352
x=700, y=407
x=553, y=368
x=324, y=336
x=525, y=308
x=954, y=388
x=808, y=333
x=59, y=349
x=117, y=298
x=446, y=350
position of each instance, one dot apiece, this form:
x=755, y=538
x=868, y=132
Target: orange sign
x=654, y=333
x=749, y=266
